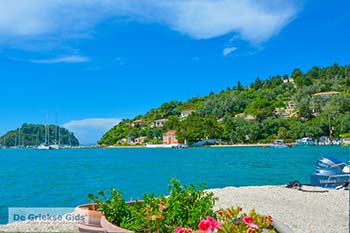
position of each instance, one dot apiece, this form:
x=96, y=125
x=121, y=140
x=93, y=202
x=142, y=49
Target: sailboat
x=45, y=146
x=56, y=145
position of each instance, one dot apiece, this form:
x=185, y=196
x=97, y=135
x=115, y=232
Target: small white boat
x=54, y=147
x=306, y=141
x=278, y=143
x=43, y=147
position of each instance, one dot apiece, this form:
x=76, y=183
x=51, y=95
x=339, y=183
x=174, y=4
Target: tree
x=34, y=134
x=245, y=131
x=315, y=115
x=195, y=128
x=172, y=123
x=343, y=123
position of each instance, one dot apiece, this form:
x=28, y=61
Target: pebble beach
x=313, y=210
x=308, y=211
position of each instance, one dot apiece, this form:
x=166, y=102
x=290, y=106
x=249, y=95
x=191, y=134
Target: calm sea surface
x=63, y=178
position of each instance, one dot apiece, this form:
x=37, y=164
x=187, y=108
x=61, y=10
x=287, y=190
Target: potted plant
x=187, y=209
x=114, y=209
x=185, y=205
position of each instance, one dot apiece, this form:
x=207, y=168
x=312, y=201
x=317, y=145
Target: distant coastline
x=209, y=146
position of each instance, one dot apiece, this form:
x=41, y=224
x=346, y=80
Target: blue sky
x=96, y=62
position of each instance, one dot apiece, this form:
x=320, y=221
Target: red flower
x=214, y=223
x=249, y=222
x=205, y=225
x=209, y=224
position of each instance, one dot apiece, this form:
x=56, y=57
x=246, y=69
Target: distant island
x=313, y=104
x=31, y=135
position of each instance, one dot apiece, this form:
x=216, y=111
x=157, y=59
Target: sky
x=93, y=63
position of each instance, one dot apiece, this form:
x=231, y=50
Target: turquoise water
x=63, y=178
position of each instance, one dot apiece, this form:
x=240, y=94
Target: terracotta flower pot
x=91, y=218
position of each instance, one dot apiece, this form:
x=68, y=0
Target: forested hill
x=315, y=103
x=34, y=134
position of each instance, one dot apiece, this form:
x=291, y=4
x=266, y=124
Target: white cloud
x=228, y=50
x=90, y=130
x=69, y=59
x=253, y=20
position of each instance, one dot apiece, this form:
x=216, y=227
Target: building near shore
x=186, y=113
x=159, y=123
x=137, y=123
x=170, y=138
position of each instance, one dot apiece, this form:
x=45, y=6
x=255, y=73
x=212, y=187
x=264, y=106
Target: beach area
x=310, y=210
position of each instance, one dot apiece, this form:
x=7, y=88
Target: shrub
x=185, y=209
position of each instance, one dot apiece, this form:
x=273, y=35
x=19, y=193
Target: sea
x=64, y=178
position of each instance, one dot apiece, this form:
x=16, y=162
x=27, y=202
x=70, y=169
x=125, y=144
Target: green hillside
x=288, y=107
x=34, y=134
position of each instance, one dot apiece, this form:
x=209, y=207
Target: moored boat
x=278, y=143
x=331, y=173
x=43, y=147
x=305, y=141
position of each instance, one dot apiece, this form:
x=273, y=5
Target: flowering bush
x=187, y=209
x=231, y=220
x=184, y=206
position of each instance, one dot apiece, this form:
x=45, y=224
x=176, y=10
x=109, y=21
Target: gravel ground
x=37, y=227
x=314, y=210
x=309, y=211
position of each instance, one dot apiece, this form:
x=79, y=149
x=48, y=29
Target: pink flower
x=183, y=230
x=214, y=223
x=208, y=225
x=249, y=222
x=205, y=225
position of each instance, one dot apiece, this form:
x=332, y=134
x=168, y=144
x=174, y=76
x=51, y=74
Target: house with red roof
x=170, y=138
x=186, y=113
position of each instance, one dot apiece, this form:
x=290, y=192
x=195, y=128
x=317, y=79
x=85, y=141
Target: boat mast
x=19, y=137
x=57, y=134
x=46, y=131
x=69, y=140
x=37, y=138
x=15, y=139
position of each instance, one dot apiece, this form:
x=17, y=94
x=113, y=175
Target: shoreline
x=209, y=146
x=312, y=210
